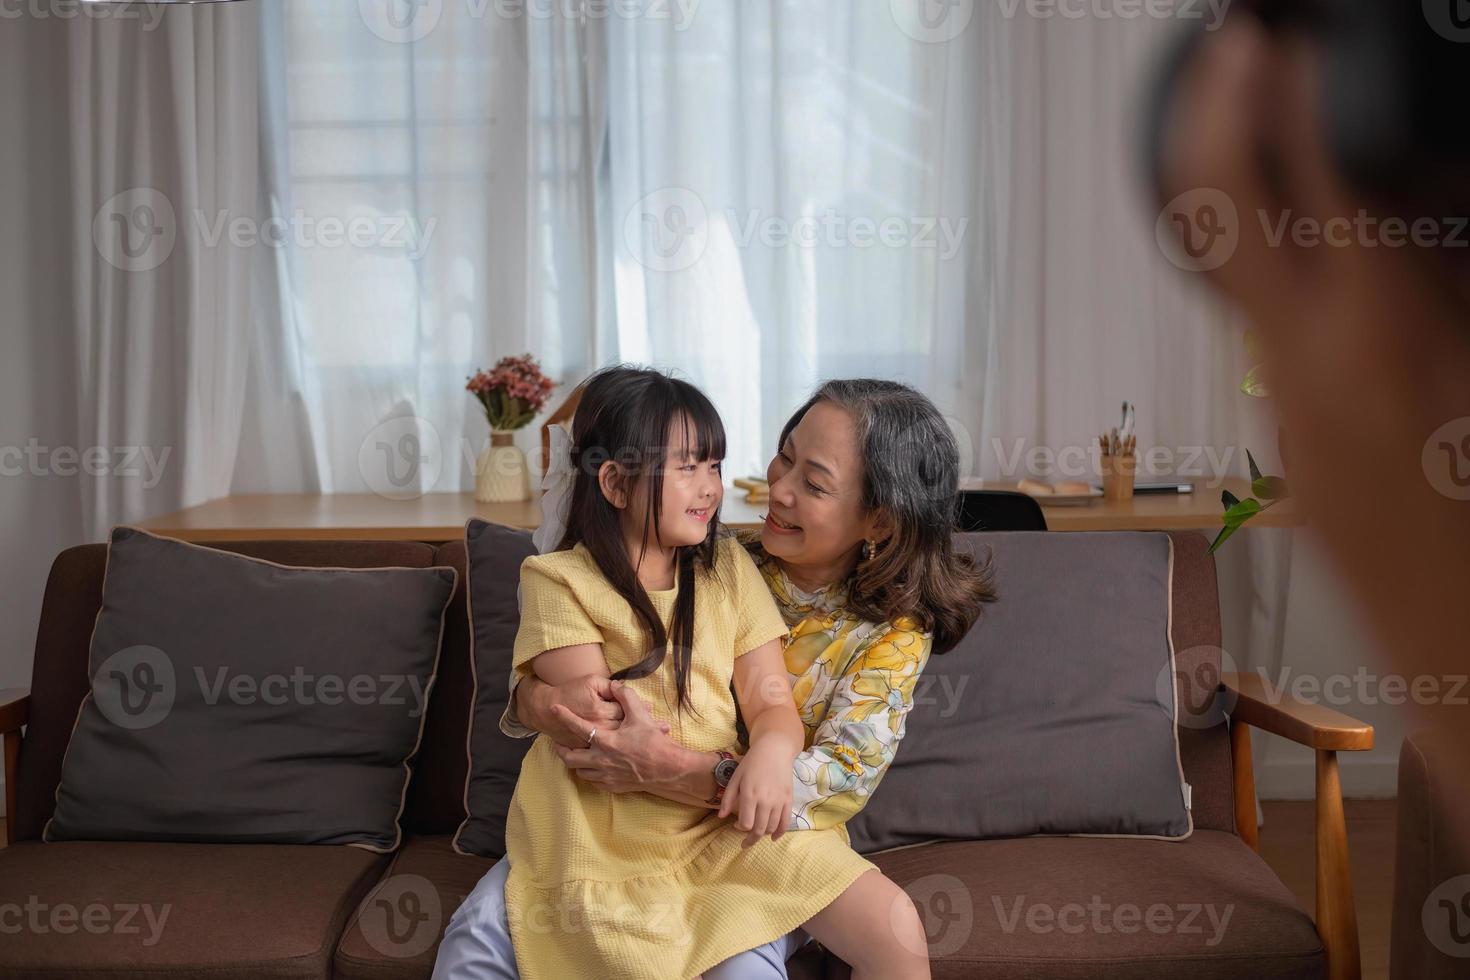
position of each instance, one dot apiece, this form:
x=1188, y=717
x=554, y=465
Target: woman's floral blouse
x=853, y=682
x=854, y=685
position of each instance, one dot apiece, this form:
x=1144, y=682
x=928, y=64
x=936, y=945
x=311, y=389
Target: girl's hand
x=760, y=792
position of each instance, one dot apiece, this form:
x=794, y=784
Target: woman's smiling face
x=816, y=519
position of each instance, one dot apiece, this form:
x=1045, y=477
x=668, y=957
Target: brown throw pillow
x=235, y=700
x=1056, y=713
x=493, y=556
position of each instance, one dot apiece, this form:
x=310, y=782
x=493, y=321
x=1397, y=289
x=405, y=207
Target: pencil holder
x=1117, y=476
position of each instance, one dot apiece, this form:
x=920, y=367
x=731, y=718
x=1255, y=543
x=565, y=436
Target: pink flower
x=512, y=392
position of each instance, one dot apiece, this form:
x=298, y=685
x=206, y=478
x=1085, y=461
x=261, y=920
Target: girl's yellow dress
x=631, y=885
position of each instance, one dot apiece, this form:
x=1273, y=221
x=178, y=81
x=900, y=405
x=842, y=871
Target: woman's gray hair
x=911, y=470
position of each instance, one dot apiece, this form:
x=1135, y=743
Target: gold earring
x=870, y=548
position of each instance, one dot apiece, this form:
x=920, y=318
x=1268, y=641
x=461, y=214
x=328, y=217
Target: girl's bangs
x=708, y=436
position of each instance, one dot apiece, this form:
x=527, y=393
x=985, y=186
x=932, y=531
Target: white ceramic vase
x=501, y=473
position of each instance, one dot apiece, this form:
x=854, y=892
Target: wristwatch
x=724, y=770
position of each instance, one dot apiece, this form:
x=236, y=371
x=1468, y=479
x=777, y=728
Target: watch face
x=724, y=770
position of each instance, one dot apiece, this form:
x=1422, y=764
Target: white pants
x=477, y=944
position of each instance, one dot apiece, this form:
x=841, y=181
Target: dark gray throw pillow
x=1056, y=714
x=235, y=700
x=493, y=556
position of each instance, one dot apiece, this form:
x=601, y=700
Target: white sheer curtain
x=822, y=153
x=759, y=195
x=789, y=201
x=161, y=306
x=457, y=142
x=137, y=131
x=1084, y=310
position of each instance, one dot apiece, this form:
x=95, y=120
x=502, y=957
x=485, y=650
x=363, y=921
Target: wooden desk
x=441, y=516
x=1198, y=511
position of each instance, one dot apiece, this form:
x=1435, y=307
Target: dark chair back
x=999, y=510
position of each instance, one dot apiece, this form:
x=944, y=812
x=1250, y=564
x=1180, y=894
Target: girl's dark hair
x=911, y=469
x=624, y=416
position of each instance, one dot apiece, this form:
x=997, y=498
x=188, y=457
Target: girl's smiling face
x=692, y=493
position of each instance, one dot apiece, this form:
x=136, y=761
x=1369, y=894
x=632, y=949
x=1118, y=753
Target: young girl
x=633, y=885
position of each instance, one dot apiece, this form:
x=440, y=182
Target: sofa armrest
x=15, y=710
x=1327, y=732
x=1279, y=713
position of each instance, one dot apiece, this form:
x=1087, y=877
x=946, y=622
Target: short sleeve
x=758, y=618
x=552, y=615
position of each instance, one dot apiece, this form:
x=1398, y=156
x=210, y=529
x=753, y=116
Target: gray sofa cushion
x=493, y=556
x=1055, y=715
x=235, y=700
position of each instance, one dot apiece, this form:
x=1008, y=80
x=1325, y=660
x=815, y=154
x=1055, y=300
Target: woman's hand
x=589, y=699
x=760, y=792
x=633, y=755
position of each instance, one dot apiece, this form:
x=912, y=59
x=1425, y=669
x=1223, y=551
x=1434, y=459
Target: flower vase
x=501, y=473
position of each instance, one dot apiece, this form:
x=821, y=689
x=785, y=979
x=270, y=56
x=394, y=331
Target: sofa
x=136, y=910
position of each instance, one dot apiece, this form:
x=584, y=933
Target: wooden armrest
x=1277, y=712
x=15, y=708
x=1328, y=732
x=15, y=711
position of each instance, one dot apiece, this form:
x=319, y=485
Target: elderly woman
x=857, y=551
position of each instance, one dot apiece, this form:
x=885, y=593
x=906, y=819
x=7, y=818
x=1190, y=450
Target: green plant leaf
x=1243, y=511
x=1236, y=514
x=1269, y=488
x=1225, y=532
x=1253, y=385
x=1255, y=470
